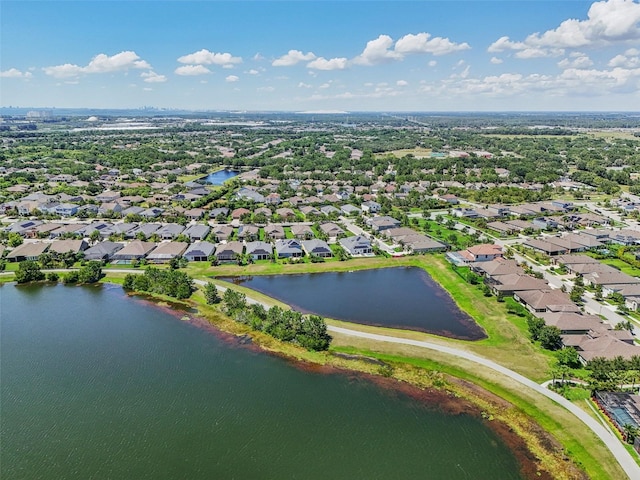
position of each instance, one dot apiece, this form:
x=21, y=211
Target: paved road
x=614, y=445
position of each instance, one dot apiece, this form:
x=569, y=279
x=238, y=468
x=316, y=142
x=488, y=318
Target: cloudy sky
x=322, y=55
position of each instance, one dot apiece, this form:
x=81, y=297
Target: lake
x=95, y=384
x=219, y=177
x=398, y=297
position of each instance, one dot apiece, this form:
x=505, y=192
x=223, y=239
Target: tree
x=550, y=337
x=211, y=294
x=14, y=240
x=90, y=273
x=535, y=326
x=29, y=271
x=568, y=356
x=95, y=236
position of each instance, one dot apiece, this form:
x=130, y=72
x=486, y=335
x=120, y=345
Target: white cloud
x=205, y=57
x=432, y=63
x=293, y=57
x=15, y=73
x=101, y=63
x=64, y=71
x=402, y=83
x=303, y=85
x=232, y=79
x=496, y=60
x=580, y=60
x=378, y=51
x=608, y=22
x=322, y=63
x=253, y=71
x=325, y=86
x=191, y=70
x=153, y=77
x=630, y=59
x=423, y=43
x=265, y=89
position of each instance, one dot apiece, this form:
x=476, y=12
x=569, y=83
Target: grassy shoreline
x=529, y=414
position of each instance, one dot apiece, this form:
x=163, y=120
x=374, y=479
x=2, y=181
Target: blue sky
x=322, y=55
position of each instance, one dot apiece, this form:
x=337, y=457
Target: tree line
x=308, y=331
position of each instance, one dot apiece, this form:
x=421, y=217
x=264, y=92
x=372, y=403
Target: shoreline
x=553, y=425
x=451, y=395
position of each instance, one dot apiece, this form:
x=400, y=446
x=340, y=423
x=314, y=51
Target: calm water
x=219, y=177
x=97, y=385
x=402, y=297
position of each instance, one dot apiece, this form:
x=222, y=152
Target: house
x=263, y=211
x=27, y=251
x=546, y=301
x=329, y=209
x=136, y=250
x=332, y=231
x=357, y=246
x=110, y=208
x=349, y=209
x=248, y=233
x=66, y=209
x=302, y=232
x=197, y=232
x=194, y=213
x=450, y=199
x=169, y=231
x=117, y=229
x=309, y=210
x=22, y=227
x=167, y=251
x=259, y=250
x=379, y=224
x=288, y=248
x=143, y=229
x=238, y=213
x=477, y=253
x=572, y=323
x=274, y=232
x=504, y=285
x=199, y=251
x=371, y=207
x=273, y=199
x=151, y=212
x=102, y=251
x=219, y=212
x=229, y=252
x=286, y=214
x=316, y=247
x=546, y=247
x=66, y=246
x=221, y=233
x=251, y=195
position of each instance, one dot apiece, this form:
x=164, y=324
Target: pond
x=398, y=297
x=99, y=385
x=219, y=177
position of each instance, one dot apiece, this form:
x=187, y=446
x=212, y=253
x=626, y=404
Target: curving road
x=614, y=445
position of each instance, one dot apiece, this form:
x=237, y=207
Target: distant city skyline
x=322, y=55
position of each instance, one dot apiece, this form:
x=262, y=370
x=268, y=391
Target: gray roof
x=198, y=230
x=102, y=250
x=258, y=247
x=288, y=246
x=200, y=249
